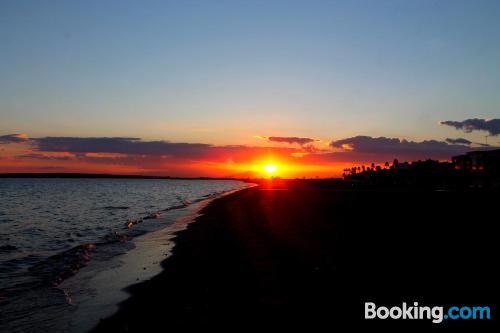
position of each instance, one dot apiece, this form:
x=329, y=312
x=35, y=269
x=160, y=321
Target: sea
x=70, y=246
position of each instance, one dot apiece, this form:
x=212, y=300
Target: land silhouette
x=307, y=254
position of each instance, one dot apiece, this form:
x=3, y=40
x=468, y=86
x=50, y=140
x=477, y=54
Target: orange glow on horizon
x=228, y=164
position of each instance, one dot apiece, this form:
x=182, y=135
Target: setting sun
x=270, y=168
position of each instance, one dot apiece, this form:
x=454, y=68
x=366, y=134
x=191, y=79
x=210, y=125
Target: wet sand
x=308, y=255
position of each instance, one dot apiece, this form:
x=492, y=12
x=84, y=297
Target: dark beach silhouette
x=308, y=254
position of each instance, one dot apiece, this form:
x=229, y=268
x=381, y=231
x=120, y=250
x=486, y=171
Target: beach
x=309, y=254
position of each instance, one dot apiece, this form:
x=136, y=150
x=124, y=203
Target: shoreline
x=133, y=267
x=309, y=257
x=136, y=266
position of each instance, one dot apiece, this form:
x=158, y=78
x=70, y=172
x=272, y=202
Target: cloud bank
x=133, y=155
x=119, y=145
x=363, y=147
x=492, y=126
x=458, y=141
x=288, y=139
x=13, y=138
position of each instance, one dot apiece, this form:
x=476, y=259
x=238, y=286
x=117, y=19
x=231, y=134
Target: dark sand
x=303, y=255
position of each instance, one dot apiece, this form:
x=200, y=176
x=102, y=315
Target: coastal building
x=479, y=169
x=483, y=161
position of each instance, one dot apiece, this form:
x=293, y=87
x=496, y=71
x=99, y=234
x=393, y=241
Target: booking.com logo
x=436, y=313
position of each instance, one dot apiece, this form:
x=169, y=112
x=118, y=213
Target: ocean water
x=50, y=229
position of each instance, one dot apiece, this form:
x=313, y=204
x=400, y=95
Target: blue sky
x=223, y=71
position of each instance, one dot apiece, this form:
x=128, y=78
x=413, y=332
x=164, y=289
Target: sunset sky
x=222, y=88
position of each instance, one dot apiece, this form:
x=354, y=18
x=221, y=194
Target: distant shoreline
x=103, y=175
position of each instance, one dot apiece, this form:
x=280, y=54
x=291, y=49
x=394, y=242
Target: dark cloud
x=458, y=141
x=288, y=139
x=137, y=151
x=162, y=156
x=134, y=149
x=369, y=144
x=45, y=157
x=13, y=138
x=130, y=146
x=362, y=147
x=492, y=126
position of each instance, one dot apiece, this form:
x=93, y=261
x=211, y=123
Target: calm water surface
x=50, y=228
